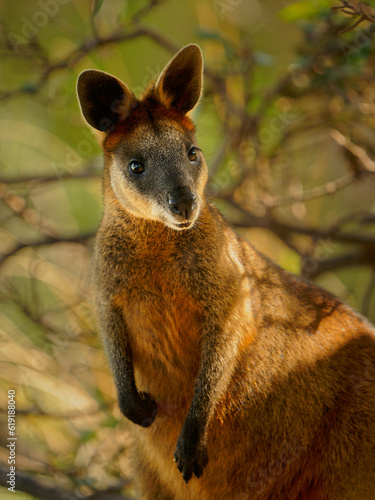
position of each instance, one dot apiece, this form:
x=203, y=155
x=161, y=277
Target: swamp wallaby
x=246, y=379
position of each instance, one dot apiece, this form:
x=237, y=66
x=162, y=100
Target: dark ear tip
x=87, y=76
x=103, y=98
x=192, y=46
x=86, y=73
x=192, y=49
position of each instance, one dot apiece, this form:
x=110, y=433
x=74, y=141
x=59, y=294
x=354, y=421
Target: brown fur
x=261, y=385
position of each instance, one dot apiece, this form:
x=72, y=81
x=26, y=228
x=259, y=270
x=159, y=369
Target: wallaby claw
x=190, y=459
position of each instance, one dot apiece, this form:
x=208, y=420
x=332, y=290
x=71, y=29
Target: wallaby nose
x=182, y=204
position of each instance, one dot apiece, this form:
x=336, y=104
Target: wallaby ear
x=104, y=99
x=180, y=83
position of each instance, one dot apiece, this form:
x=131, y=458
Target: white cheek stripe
x=149, y=210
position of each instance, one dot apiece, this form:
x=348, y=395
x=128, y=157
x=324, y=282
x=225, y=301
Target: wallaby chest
x=153, y=286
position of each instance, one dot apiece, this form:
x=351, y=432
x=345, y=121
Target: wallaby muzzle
x=182, y=202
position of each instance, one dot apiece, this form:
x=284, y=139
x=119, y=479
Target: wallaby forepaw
x=150, y=409
x=142, y=411
x=190, y=459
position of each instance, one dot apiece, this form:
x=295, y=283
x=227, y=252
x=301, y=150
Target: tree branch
x=36, y=487
x=311, y=268
x=75, y=56
x=328, y=188
x=46, y=241
x=355, y=8
x=32, y=180
x=366, y=301
x=283, y=229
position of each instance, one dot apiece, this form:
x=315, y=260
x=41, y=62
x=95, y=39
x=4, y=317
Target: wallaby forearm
x=136, y=406
x=191, y=454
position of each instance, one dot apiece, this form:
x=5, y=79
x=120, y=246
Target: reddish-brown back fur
x=270, y=375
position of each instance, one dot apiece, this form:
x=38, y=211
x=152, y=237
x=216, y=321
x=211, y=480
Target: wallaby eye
x=136, y=167
x=193, y=154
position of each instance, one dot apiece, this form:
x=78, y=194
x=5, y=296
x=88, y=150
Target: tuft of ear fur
x=180, y=83
x=104, y=99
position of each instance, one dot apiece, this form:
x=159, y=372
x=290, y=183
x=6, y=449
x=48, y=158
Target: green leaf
x=208, y=34
x=96, y=6
x=303, y=10
x=111, y=422
x=88, y=436
x=132, y=7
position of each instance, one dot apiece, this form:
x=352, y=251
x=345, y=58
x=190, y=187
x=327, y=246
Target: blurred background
x=287, y=127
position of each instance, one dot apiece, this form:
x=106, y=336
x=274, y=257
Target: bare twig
x=328, y=188
x=74, y=57
x=32, y=181
x=342, y=261
x=146, y=9
x=285, y=230
x=355, y=8
x=82, y=238
x=366, y=301
x=69, y=416
x=355, y=150
x=38, y=488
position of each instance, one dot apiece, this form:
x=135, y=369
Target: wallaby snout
x=182, y=202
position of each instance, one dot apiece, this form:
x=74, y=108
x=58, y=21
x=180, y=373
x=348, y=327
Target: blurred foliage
x=287, y=126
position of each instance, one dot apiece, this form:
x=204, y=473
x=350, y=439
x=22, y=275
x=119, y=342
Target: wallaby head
x=154, y=168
